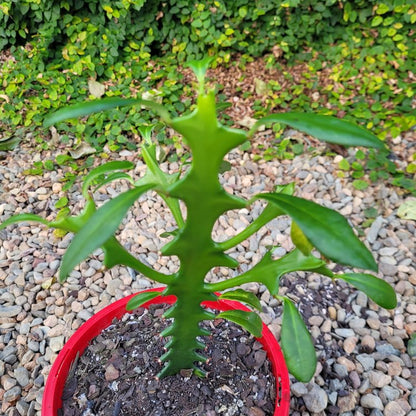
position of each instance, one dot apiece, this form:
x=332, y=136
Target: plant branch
x=269, y=213
x=115, y=253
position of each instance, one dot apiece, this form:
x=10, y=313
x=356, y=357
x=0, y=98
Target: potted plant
x=320, y=235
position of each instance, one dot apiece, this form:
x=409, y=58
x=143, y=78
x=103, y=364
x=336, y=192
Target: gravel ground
x=363, y=368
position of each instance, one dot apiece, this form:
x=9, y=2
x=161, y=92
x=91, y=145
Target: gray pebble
x=375, y=229
x=10, y=359
x=389, y=394
x=387, y=349
x=356, y=323
x=33, y=345
x=32, y=408
x=344, y=332
x=371, y=401
x=36, y=321
x=39, y=381
x=332, y=397
x=341, y=370
x=84, y=314
x=412, y=401
x=336, y=385
x=22, y=376
x=387, y=269
x=367, y=361
x=298, y=389
x=56, y=343
x=316, y=399
x=12, y=394
x=22, y=407
x=10, y=311
x=113, y=286
x=403, y=382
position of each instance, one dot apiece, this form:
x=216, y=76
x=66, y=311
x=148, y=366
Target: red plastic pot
x=76, y=345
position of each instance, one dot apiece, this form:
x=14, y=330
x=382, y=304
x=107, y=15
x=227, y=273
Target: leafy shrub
x=96, y=33
x=367, y=48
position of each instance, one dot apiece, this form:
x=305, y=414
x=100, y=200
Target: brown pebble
x=256, y=411
x=111, y=373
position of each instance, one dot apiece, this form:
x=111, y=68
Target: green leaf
x=23, y=218
x=99, y=228
x=299, y=239
x=378, y=20
x=140, y=299
x=225, y=167
x=242, y=11
x=103, y=170
x=168, y=234
x=241, y=295
x=326, y=128
x=287, y=189
x=344, y=164
x=377, y=289
x=326, y=229
x=62, y=202
x=85, y=108
x=248, y=320
x=114, y=176
x=297, y=344
x=10, y=143
x=88, y=107
x=360, y=184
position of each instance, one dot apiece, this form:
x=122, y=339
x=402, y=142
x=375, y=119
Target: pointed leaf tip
x=140, y=299
x=326, y=128
x=200, y=67
x=375, y=288
x=326, y=229
x=248, y=320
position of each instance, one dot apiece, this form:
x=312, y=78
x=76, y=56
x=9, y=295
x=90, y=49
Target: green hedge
x=60, y=45
x=96, y=33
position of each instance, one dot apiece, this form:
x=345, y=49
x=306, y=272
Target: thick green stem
x=205, y=201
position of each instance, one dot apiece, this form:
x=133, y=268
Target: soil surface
x=116, y=375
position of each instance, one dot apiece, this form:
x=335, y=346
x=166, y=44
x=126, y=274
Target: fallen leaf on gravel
x=48, y=283
x=249, y=122
x=82, y=150
x=407, y=210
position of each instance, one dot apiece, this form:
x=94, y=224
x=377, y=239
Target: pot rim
x=79, y=341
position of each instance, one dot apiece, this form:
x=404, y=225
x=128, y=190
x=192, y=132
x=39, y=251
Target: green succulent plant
x=313, y=229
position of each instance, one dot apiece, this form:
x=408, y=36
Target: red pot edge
x=51, y=400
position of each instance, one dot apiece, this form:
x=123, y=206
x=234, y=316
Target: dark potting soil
x=116, y=375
